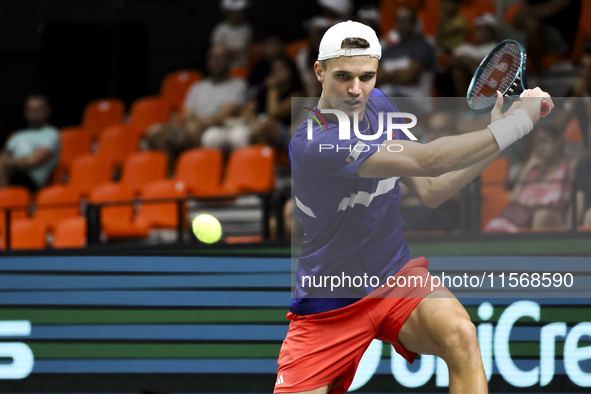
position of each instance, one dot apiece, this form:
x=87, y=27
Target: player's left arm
x=433, y=191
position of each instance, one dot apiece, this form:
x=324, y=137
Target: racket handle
x=544, y=108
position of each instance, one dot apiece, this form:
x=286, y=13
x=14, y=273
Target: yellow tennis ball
x=207, y=228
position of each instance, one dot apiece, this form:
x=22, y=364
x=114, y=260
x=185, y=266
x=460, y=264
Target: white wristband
x=508, y=130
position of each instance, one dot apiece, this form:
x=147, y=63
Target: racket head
x=500, y=70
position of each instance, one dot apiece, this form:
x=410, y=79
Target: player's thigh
x=436, y=319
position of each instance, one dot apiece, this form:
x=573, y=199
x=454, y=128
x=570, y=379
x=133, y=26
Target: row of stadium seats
x=199, y=173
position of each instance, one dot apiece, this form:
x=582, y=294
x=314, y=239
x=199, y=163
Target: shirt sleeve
x=330, y=156
x=51, y=141
x=191, y=102
x=217, y=35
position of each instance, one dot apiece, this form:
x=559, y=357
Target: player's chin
x=351, y=108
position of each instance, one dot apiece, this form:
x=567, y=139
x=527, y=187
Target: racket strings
x=497, y=74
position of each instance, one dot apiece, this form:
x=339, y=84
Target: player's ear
x=319, y=71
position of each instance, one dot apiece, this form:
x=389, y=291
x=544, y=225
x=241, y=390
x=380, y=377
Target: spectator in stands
x=234, y=32
x=466, y=57
x=583, y=179
x=549, y=26
x=452, y=30
x=370, y=15
x=209, y=106
x=273, y=47
x=416, y=216
x=582, y=86
x=542, y=194
x=282, y=84
x=306, y=57
x=31, y=155
x=336, y=10
x=407, y=69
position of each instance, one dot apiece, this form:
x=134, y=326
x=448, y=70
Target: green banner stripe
x=122, y=316
x=494, y=248
x=117, y=350
x=516, y=349
x=227, y=316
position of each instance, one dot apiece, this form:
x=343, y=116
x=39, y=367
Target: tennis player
x=347, y=193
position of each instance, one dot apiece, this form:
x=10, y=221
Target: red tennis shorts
x=327, y=347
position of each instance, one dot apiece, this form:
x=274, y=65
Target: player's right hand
x=531, y=102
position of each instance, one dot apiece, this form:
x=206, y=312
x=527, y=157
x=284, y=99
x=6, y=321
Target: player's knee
x=461, y=339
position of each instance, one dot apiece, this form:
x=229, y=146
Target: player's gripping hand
x=533, y=102
x=507, y=127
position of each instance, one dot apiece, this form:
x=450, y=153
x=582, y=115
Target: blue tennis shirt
x=352, y=224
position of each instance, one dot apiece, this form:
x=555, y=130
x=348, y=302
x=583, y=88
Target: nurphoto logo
x=345, y=124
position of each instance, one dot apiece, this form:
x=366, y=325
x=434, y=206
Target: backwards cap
x=330, y=46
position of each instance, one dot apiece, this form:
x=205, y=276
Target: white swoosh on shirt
x=365, y=198
x=304, y=208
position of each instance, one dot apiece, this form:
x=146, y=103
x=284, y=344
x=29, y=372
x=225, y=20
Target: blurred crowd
x=429, y=49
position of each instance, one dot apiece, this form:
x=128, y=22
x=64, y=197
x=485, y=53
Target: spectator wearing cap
x=30, y=155
x=234, y=32
x=465, y=58
x=407, y=69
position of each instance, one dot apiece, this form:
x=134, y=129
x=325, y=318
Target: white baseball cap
x=330, y=46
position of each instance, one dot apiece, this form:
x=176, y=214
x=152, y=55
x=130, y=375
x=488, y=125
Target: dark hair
x=295, y=83
x=349, y=43
x=413, y=12
x=39, y=96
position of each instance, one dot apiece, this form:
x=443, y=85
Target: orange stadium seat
x=102, y=113
x=143, y=167
x=117, y=221
x=199, y=170
x=146, y=111
x=496, y=174
x=250, y=170
x=86, y=172
x=70, y=233
x=175, y=85
x=12, y=196
x=117, y=143
x=28, y=234
x=48, y=209
x=75, y=141
x=238, y=72
x=573, y=131
x=160, y=215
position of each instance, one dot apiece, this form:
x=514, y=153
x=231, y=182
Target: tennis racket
x=503, y=69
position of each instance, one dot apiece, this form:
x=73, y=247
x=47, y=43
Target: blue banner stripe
x=65, y=282
x=268, y=366
x=148, y=298
x=145, y=264
x=156, y=366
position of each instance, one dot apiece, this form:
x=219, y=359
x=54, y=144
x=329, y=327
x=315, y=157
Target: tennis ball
x=207, y=228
